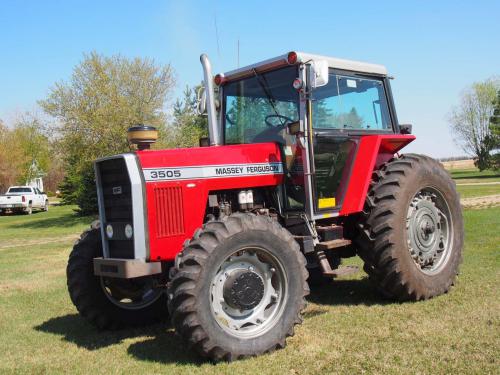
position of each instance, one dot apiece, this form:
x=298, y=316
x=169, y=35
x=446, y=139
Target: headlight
x=109, y=231
x=129, y=231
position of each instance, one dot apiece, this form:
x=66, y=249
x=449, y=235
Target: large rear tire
x=238, y=288
x=110, y=303
x=411, y=231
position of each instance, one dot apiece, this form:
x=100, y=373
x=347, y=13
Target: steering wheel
x=268, y=123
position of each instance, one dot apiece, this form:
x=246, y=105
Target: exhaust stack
x=213, y=129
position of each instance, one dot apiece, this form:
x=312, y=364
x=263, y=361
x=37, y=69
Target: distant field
x=472, y=183
x=459, y=164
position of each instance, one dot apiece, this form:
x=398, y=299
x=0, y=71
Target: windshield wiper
x=263, y=84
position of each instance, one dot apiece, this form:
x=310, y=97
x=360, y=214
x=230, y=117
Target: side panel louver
x=169, y=211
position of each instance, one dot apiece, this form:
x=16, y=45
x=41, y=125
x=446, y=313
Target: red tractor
x=301, y=168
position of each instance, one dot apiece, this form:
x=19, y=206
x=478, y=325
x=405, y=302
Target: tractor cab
x=318, y=109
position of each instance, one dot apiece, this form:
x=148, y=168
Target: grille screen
x=117, y=200
x=169, y=211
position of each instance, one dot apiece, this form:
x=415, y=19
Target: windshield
x=258, y=108
x=19, y=190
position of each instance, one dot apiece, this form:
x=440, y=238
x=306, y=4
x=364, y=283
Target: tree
x=21, y=147
x=353, y=120
x=470, y=120
x=8, y=158
x=188, y=125
x=495, y=133
x=94, y=109
x=29, y=135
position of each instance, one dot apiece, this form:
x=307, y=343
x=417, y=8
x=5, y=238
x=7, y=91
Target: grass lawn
x=469, y=191
x=348, y=327
x=473, y=175
x=58, y=222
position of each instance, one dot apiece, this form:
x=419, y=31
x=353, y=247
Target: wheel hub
x=243, y=290
x=247, y=292
x=427, y=229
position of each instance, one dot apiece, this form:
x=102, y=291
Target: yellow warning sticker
x=326, y=203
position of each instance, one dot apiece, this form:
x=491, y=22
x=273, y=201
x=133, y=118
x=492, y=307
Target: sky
x=434, y=49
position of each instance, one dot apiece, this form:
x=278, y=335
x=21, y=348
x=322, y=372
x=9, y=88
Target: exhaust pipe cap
x=142, y=135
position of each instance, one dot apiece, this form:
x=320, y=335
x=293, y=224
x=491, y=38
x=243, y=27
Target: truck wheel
x=238, y=288
x=411, y=231
x=110, y=303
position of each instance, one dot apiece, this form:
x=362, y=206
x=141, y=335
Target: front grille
x=117, y=202
x=169, y=211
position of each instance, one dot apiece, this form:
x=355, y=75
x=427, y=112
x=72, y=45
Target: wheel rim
x=130, y=294
x=248, y=292
x=429, y=230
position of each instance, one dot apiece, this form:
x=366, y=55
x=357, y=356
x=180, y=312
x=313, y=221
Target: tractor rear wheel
x=411, y=231
x=110, y=303
x=238, y=287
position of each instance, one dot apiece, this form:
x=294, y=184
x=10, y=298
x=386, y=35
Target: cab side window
x=351, y=102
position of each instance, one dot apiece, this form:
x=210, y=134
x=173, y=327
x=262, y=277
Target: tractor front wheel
x=411, y=231
x=238, y=288
x=106, y=302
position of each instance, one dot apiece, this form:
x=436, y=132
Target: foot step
x=342, y=271
x=333, y=244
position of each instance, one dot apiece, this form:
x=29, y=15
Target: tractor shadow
x=476, y=176
x=63, y=221
x=159, y=342
x=165, y=347
x=347, y=293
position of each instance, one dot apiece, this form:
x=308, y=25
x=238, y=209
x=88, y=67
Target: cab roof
x=302, y=57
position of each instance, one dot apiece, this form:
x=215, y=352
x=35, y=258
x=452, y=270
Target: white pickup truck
x=23, y=199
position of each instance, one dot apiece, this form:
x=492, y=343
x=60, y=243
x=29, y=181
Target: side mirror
x=319, y=73
x=201, y=98
x=405, y=128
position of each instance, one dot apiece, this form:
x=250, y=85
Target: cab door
x=349, y=107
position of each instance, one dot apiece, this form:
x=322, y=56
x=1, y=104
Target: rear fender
x=373, y=151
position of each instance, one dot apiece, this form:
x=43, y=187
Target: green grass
x=59, y=221
x=470, y=191
x=348, y=327
x=474, y=175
